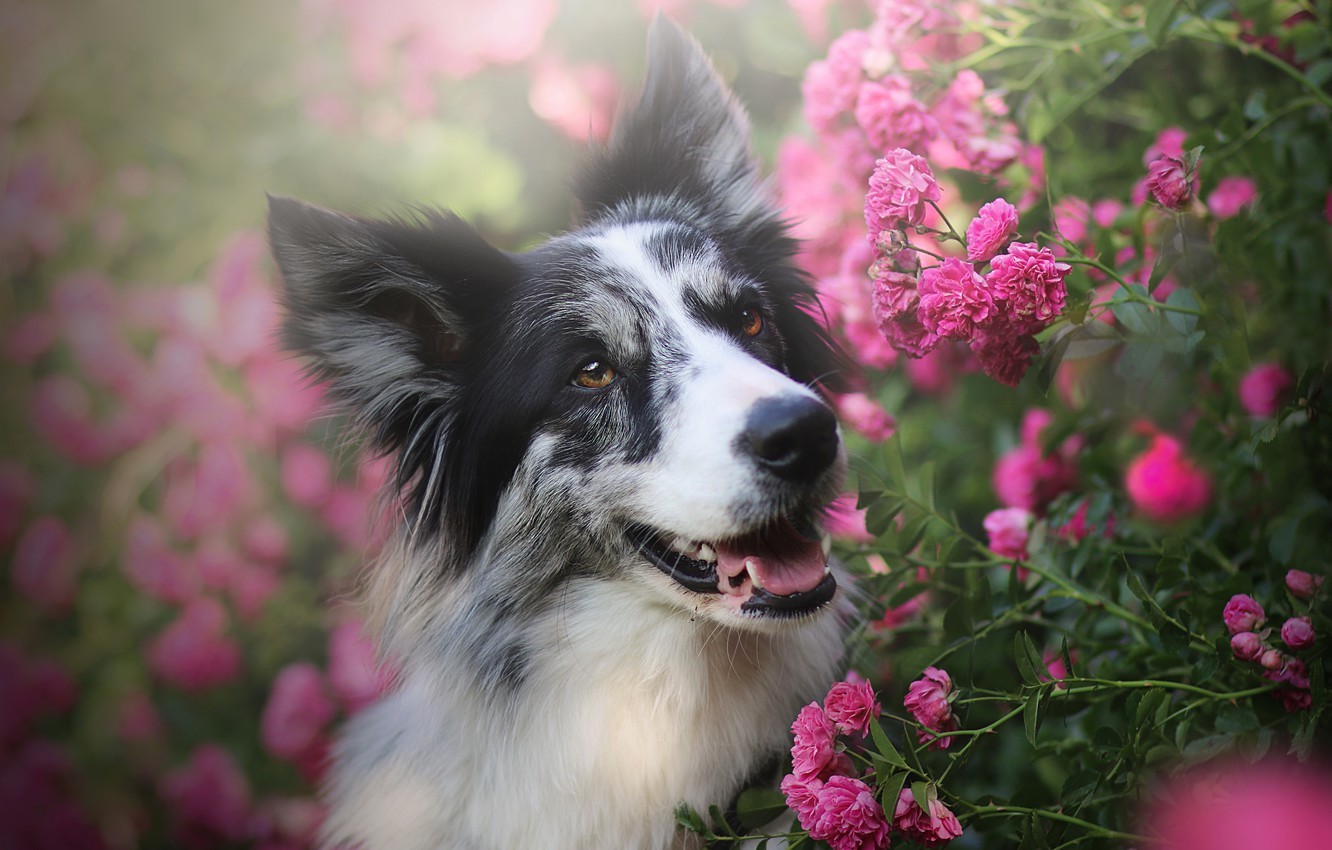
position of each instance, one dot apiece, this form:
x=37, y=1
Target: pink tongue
x=785, y=561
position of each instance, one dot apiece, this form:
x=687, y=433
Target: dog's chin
x=777, y=572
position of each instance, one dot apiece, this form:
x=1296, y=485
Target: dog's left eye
x=750, y=321
x=594, y=375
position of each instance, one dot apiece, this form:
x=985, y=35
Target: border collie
x=609, y=593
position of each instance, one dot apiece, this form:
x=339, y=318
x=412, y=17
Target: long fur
x=557, y=688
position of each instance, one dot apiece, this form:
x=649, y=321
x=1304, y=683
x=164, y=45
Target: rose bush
x=1081, y=254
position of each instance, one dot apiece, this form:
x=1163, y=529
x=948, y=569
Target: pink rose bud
x=994, y=227
x=1243, y=614
x=900, y=190
x=1303, y=585
x=1009, y=529
x=1297, y=632
x=1247, y=646
x=1172, y=182
x=1264, y=388
x=928, y=829
x=927, y=700
x=1272, y=659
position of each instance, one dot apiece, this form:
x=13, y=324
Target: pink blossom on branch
x=953, y=299
x=931, y=828
x=1231, y=195
x=1247, y=646
x=928, y=701
x=1264, y=389
x=1165, y=485
x=297, y=711
x=1172, y=181
x=1303, y=585
x=900, y=191
x=1009, y=530
x=1243, y=614
x=812, y=754
x=851, y=706
x=1027, y=283
x=994, y=226
x=848, y=817
x=1297, y=632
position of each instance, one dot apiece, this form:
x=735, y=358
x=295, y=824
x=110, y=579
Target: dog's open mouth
x=776, y=570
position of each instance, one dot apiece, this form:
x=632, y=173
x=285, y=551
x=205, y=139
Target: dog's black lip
x=692, y=574
x=792, y=605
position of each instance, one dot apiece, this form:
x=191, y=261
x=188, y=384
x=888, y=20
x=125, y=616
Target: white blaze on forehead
x=695, y=484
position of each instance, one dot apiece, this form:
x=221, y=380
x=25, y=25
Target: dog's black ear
x=685, y=137
x=384, y=309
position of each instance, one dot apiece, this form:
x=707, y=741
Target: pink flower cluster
x=1264, y=389
x=916, y=309
x=834, y=805
x=930, y=701
x=1244, y=618
x=1030, y=477
x=1008, y=530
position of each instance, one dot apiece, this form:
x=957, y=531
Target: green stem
x=1097, y=829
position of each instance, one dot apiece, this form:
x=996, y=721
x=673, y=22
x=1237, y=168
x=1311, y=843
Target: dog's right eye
x=594, y=375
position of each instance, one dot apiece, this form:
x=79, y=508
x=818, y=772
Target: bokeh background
x=182, y=519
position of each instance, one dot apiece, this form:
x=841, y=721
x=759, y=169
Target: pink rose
x=354, y=672
x=1303, y=585
x=927, y=700
x=1243, y=614
x=851, y=706
x=193, y=652
x=812, y=753
x=847, y=816
x=208, y=796
x=802, y=795
x=1172, y=182
x=991, y=230
x=866, y=416
x=1247, y=646
x=1165, y=485
x=46, y=565
x=890, y=116
x=1231, y=195
x=1009, y=529
x=953, y=299
x=1027, y=283
x=900, y=190
x=843, y=520
x=1272, y=660
x=297, y=711
x=928, y=829
x=1264, y=388
x=1298, y=632
x=1004, y=350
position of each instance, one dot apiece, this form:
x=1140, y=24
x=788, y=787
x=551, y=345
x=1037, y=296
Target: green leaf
x=691, y=820
x=1205, y=748
x=1029, y=663
x=884, y=747
x=756, y=807
x=1031, y=715
x=1160, y=15
x=891, y=789
x=1235, y=719
x=1185, y=323
x=719, y=822
x=921, y=791
x=894, y=465
x=957, y=620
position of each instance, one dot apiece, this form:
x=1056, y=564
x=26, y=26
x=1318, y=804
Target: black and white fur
x=575, y=659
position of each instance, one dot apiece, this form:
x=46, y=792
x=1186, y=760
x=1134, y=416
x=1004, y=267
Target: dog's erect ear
x=384, y=308
x=686, y=136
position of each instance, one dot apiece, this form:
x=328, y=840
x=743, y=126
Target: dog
x=609, y=594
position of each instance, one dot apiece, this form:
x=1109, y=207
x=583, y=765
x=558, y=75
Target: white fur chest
x=628, y=709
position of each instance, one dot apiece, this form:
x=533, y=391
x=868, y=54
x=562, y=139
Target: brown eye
x=593, y=375
x=751, y=321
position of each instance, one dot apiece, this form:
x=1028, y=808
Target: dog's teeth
x=707, y=554
x=752, y=569
x=827, y=568
x=827, y=544
x=684, y=546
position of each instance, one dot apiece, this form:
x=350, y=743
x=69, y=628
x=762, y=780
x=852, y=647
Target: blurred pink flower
x=830, y=85
x=936, y=827
x=209, y=798
x=1231, y=195
x=927, y=699
x=1172, y=182
x=1169, y=142
x=265, y=540
x=1005, y=351
x=45, y=567
x=1273, y=805
x=891, y=116
x=209, y=494
x=137, y=720
x=991, y=230
x=1009, y=530
x=1105, y=211
x=1165, y=485
x=1264, y=389
x=355, y=672
x=1243, y=614
x=1025, y=478
x=28, y=338
x=153, y=566
x=61, y=413
x=1298, y=632
x=34, y=687
x=848, y=817
x=866, y=416
x=39, y=801
x=193, y=652
x=250, y=588
x=851, y=706
x=1070, y=215
x=1303, y=585
x=843, y=520
x=17, y=488
x=578, y=100
x=297, y=710
x=307, y=477
x=900, y=190
x=1077, y=529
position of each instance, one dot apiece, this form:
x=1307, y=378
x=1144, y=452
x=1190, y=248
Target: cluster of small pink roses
x=917, y=308
x=834, y=805
x=1244, y=619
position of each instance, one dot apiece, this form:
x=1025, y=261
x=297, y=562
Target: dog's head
x=645, y=389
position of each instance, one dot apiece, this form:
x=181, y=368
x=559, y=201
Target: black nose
x=792, y=436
